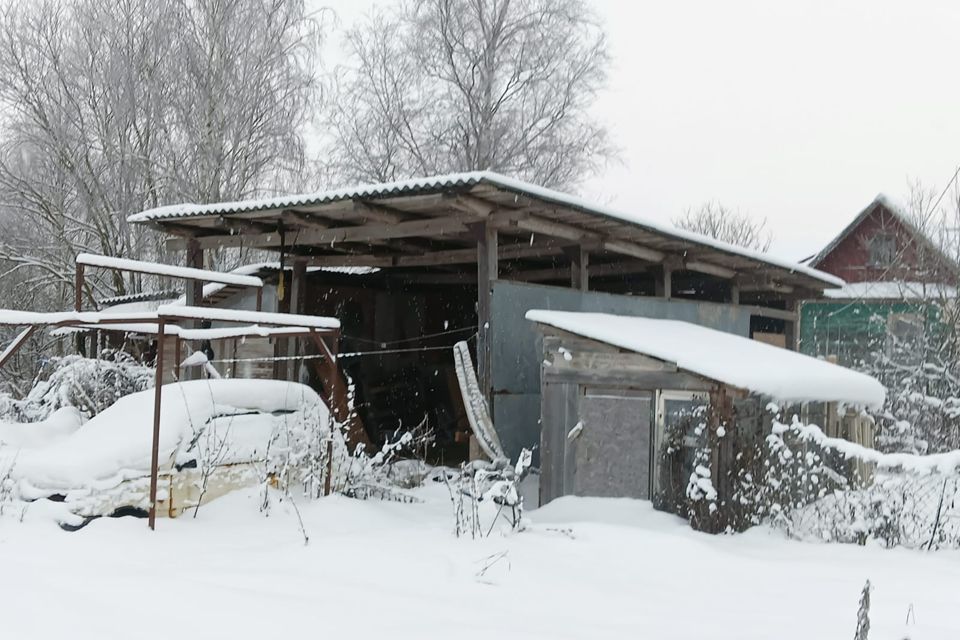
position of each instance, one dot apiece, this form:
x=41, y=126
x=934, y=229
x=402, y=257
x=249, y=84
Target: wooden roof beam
x=371, y=212
x=763, y=284
x=439, y=258
x=473, y=205
x=535, y=224
x=301, y=219
x=242, y=226
x=442, y=226
x=710, y=269
x=595, y=271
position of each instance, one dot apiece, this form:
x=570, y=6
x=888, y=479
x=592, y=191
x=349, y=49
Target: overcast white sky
x=797, y=111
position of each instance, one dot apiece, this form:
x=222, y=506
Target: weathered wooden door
x=612, y=457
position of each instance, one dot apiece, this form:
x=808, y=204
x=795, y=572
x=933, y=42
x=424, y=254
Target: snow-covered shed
x=464, y=256
x=627, y=401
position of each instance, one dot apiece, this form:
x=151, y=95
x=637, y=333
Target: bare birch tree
x=714, y=220
x=109, y=107
x=458, y=85
x=113, y=107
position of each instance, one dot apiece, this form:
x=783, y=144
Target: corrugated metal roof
x=459, y=180
x=382, y=190
x=144, y=296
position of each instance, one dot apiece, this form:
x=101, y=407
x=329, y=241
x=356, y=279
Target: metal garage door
x=612, y=457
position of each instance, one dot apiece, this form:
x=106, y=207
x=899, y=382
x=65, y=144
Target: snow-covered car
x=215, y=436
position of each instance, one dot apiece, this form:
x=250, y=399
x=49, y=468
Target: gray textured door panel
x=612, y=457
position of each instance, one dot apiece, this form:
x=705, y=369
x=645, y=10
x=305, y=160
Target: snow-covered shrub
x=681, y=488
x=7, y=485
x=386, y=473
x=90, y=385
x=795, y=474
x=921, y=372
x=482, y=493
x=863, y=615
x=813, y=490
x=702, y=496
x=306, y=453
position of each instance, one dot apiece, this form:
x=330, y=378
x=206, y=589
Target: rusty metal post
x=329, y=479
x=177, y=355
x=77, y=306
x=259, y=298
x=332, y=356
x=155, y=453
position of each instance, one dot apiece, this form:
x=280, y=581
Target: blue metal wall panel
x=517, y=352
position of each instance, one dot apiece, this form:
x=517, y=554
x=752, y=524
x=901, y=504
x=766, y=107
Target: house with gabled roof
x=896, y=278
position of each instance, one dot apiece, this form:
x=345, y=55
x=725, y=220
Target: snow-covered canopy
x=413, y=186
x=239, y=315
x=160, y=269
x=286, y=321
x=773, y=372
x=216, y=333
x=892, y=290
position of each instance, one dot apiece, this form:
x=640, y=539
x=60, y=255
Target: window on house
x=904, y=334
x=883, y=250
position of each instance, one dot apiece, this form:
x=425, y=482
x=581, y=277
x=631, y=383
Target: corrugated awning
x=426, y=221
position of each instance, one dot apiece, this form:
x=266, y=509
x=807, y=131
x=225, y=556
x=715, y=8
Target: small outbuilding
x=629, y=403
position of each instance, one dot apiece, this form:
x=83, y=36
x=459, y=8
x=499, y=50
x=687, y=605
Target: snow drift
x=116, y=444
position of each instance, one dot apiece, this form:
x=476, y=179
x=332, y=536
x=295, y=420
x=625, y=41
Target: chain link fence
x=828, y=489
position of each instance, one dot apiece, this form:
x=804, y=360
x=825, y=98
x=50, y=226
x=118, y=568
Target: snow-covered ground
x=585, y=568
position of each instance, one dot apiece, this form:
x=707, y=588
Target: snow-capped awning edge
x=778, y=374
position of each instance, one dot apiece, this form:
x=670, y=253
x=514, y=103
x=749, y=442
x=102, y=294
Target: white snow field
x=584, y=568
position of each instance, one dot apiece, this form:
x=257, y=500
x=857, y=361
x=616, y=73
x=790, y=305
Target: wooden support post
x=487, y=272
x=664, y=285
x=194, y=295
x=790, y=327
x=155, y=451
x=579, y=267
x=194, y=289
x=78, y=289
x=298, y=284
x=734, y=293
x=78, y=306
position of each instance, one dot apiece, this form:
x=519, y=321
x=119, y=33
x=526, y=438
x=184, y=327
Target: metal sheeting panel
x=516, y=345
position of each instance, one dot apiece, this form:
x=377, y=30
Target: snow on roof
x=211, y=288
x=214, y=333
x=257, y=317
x=22, y=318
x=118, y=320
x=174, y=271
x=434, y=183
x=770, y=371
x=891, y=291
x=257, y=267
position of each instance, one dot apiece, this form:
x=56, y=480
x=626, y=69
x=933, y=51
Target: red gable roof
x=882, y=244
